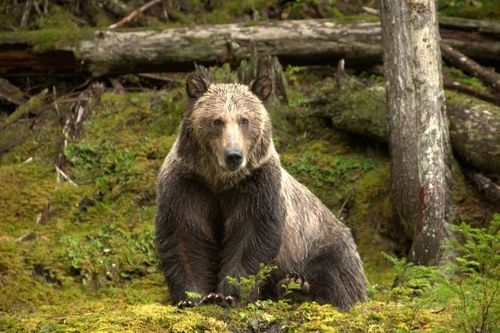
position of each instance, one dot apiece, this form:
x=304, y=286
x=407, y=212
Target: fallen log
x=458, y=23
x=457, y=86
x=293, y=42
x=459, y=60
x=474, y=124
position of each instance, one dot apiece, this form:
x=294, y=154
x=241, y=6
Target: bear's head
x=229, y=121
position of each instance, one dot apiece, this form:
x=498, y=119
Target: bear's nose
x=233, y=158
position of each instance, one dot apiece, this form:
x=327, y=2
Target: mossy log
x=177, y=49
x=474, y=124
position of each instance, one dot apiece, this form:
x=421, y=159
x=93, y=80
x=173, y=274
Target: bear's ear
x=197, y=82
x=262, y=86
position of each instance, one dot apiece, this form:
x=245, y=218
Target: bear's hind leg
x=335, y=275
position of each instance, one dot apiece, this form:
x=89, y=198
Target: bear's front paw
x=294, y=286
x=186, y=304
x=218, y=299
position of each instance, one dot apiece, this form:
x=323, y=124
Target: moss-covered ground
x=81, y=258
x=89, y=264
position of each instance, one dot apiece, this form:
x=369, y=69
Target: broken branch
x=127, y=19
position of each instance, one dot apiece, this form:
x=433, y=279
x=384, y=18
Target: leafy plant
x=249, y=285
x=470, y=288
x=193, y=296
x=416, y=287
x=476, y=277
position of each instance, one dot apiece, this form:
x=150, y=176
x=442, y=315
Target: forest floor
x=80, y=257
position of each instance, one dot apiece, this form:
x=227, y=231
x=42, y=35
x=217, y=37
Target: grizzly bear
x=225, y=205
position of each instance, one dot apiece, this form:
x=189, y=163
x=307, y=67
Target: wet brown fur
x=212, y=222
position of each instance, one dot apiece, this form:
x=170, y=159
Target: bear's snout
x=233, y=159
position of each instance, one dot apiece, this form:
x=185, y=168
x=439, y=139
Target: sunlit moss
x=91, y=266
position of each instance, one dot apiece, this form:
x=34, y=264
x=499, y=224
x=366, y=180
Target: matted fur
x=212, y=222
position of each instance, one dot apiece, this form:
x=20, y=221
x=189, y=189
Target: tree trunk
x=418, y=130
x=293, y=42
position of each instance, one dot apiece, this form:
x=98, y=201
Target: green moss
x=332, y=177
x=32, y=105
x=58, y=18
x=374, y=226
x=458, y=75
x=92, y=265
x=477, y=9
x=27, y=189
x=46, y=39
x=98, y=238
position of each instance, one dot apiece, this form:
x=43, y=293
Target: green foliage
x=412, y=281
x=417, y=287
x=330, y=169
x=193, y=296
x=261, y=315
x=110, y=255
x=108, y=244
x=470, y=288
x=475, y=282
x=248, y=285
x=99, y=161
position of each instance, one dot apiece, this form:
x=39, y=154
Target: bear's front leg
x=254, y=214
x=185, y=236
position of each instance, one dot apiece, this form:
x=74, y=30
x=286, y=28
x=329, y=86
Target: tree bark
x=418, y=130
x=293, y=42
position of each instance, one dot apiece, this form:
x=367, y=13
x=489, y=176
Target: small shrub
x=249, y=285
x=417, y=287
x=475, y=282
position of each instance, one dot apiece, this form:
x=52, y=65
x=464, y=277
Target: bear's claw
x=186, y=304
x=219, y=299
x=296, y=279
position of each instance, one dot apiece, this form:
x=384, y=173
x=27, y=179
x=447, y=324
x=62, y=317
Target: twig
x=349, y=195
x=371, y=11
x=56, y=106
x=62, y=174
x=340, y=75
x=158, y=78
x=134, y=14
x=79, y=112
x=460, y=60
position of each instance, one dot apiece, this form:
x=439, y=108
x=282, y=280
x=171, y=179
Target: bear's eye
x=244, y=121
x=218, y=122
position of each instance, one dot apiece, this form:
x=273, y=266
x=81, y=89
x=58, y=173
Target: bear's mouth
x=232, y=168
x=232, y=165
